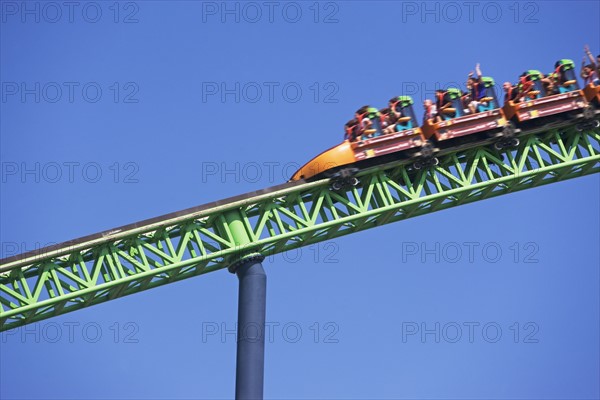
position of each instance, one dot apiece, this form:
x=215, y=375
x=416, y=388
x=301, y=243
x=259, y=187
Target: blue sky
x=116, y=112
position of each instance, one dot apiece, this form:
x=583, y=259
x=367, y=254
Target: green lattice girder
x=118, y=265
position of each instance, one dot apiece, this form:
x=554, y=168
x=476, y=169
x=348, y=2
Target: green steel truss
x=128, y=262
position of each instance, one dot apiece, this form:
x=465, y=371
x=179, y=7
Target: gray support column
x=250, y=363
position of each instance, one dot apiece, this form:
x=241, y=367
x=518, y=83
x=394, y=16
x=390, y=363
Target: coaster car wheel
x=344, y=179
x=506, y=143
x=593, y=124
x=336, y=185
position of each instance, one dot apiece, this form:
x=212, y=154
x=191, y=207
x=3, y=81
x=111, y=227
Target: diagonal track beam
x=73, y=277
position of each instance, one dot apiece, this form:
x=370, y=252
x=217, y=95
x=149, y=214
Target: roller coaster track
x=108, y=265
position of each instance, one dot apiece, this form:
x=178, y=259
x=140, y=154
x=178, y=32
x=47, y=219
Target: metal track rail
x=136, y=257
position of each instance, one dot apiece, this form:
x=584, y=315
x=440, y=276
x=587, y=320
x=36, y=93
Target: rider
x=551, y=82
x=351, y=130
x=525, y=86
x=476, y=89
x=384, y=117
x=440, y=104
x=511, y=92
x=363, y=121
x=589, y=74
x=595, y=64
x=393, y=116
x=430, y=111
